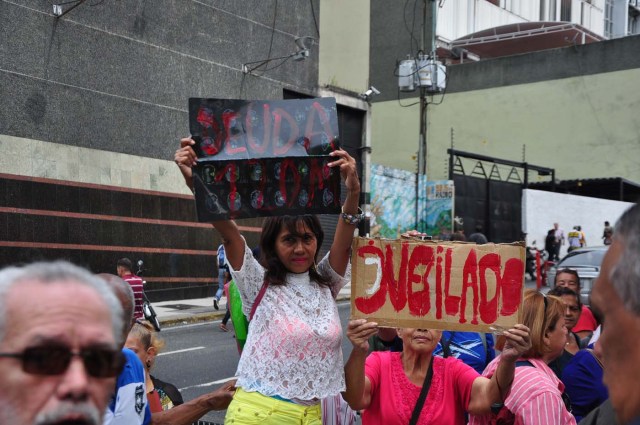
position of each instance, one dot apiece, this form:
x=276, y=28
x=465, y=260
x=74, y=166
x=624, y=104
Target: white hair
x=56, y=272
x=625, y=276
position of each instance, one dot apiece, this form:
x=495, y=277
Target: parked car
x=586, y=261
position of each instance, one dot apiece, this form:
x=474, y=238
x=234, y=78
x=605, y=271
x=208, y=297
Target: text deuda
x=425, y=269
x=266, y=132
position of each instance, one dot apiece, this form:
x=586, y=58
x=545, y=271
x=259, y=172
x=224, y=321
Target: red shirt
x=586, y=322
x=393, y=396
x=136, y=284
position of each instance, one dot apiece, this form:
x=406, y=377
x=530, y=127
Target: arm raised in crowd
x=485, y=392
x=185, y=157
x=341, y=246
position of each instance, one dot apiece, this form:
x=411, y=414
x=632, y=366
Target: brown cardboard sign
x=436, y=284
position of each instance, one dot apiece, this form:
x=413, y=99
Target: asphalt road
x=197, y=358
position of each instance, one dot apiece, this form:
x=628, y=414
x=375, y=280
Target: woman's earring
x=148, y=364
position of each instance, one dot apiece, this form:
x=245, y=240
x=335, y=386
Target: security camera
x=372, y=92
x=300, y=42
x=301, y=55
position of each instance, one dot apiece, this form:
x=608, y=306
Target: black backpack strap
x=496, y=407
x=446, y=345
x=526, y=363
x=423, y=394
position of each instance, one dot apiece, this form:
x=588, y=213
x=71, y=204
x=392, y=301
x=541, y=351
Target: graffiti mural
x=439, y=211
x=393, y=203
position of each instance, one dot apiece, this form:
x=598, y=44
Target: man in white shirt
x=559, y=239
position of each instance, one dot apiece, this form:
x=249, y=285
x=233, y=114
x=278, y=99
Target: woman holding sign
x=293, y=356
x=415, y=387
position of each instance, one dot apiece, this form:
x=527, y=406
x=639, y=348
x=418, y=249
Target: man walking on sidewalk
x=559, y=233
x=125, y=271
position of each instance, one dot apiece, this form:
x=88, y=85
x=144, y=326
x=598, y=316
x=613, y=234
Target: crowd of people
x=87, y=359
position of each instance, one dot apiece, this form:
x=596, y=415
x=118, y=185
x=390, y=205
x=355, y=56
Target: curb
x=210, y=316
x=191, y=318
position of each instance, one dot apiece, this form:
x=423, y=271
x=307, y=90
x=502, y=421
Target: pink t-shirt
x=586, y=322
x=393, y=396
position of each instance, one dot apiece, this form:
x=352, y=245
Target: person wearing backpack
x=537, y=395
x=472, y=348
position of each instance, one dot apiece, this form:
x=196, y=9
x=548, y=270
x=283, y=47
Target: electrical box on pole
x=423, y=72
x=432, y=74
x=429, y=75
x=407, y=75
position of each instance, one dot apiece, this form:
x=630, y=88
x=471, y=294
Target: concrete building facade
x=93, y=101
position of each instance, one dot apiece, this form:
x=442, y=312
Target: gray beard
x=88, y=412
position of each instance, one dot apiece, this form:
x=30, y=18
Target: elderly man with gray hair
x=616, y=295
x=60, y=333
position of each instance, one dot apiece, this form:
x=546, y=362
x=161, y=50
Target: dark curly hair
x=276, y=271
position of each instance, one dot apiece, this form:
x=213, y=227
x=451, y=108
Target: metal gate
x=490, y=194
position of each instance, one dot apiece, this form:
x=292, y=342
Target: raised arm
x=485, y=392
x=186, y=158
x=358, y=392
x=341, y=246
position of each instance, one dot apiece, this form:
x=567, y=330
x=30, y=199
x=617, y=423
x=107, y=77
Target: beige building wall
x=344, y=45
x=584, y=127
x=394, y=134
x=37, y=158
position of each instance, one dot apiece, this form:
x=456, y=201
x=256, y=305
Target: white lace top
x=293, y=348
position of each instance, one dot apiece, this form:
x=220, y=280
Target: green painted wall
x=344, y=44
x=394, y=134
x=584, y=127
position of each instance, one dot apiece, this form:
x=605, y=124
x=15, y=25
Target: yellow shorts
x=254, y=408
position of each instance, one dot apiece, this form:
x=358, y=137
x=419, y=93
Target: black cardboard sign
x=264, y=158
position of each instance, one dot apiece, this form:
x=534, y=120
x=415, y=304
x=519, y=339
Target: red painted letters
x=419, y=277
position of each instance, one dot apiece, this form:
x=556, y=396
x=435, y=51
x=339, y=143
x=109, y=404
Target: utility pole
x=428, y=48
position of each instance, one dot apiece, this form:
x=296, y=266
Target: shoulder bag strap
x=446, y=345
x=595, y=357
x=423, y=394
x=263, y=289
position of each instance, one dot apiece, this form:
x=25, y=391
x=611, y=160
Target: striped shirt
x=136, y=284
x=535, y=397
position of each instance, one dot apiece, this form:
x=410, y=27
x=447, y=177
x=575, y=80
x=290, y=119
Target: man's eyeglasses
x=99, y=362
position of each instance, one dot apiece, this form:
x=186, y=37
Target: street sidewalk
x=201, y=309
